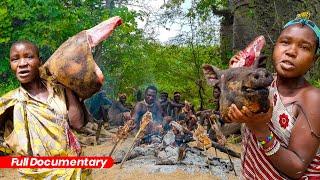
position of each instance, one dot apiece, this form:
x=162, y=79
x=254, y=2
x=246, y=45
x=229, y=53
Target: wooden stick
x=207, y=158
x=100, y=124
x=114, y=147
x=232, y=164
x=146, y=118
x=131, y=147
x=215, y=149
x=225, y=150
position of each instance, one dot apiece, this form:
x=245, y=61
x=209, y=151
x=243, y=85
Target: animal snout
x=262, y=76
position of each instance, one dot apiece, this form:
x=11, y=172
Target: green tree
x=49, y=23
x=129, y=59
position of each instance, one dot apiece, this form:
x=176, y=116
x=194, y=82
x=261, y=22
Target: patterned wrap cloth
x=40, y=129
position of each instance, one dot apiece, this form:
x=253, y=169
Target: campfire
x=178, y=148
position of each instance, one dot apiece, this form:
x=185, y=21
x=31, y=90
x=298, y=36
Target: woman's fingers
x=246, y=116
x=235, y=114
x=236, y=111
x=246, y=111
x=227, y=119
x=231, y=116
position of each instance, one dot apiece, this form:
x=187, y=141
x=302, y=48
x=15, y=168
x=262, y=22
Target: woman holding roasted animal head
x=37, y=117
x=284, y=143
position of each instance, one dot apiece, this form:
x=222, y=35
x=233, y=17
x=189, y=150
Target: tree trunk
x=255, y=17
x=243, y=27
x=226, y=40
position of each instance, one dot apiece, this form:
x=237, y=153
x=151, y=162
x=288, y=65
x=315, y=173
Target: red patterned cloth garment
x=255, y=164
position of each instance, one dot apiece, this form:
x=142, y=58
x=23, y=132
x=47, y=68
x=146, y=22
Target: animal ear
x=211, y=73
x=260, y=62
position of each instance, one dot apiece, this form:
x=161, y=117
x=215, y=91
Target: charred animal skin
x=72, y=64
x=242, y=86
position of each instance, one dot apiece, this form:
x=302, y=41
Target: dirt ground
x=142, y=171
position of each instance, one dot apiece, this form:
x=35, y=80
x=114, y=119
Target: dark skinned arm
x=75, y=110
x=174, y=104
x=303, y=145
x=159, y=112
x=121, y=107
x=137, y=113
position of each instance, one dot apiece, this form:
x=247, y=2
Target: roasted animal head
x=72, y=64
x=242, y=86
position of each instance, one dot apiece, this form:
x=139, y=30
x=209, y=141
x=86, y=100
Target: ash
x=165, y=156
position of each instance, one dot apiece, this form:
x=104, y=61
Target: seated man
x=119, y=113
x=149, y=104
x=164, y=102
x=175, y=106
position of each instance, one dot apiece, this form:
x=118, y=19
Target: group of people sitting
x=163, y=111
x=118, y=112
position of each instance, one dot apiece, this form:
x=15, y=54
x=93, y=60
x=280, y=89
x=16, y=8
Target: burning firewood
x=146, y=119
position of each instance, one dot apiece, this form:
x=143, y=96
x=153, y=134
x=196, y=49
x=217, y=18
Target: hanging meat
x=72, y=64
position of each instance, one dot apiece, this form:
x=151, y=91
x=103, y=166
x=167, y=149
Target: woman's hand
x=255, y=122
